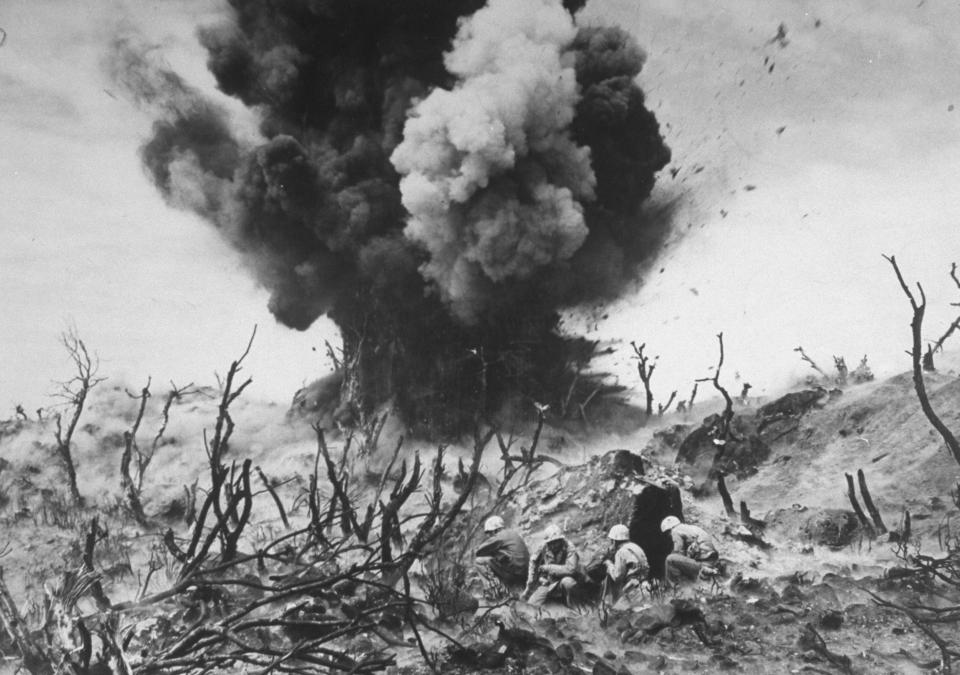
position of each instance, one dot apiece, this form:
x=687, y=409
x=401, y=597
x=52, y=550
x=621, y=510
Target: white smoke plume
x=490, y=175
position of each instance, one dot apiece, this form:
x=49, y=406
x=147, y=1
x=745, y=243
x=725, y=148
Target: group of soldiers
x=554, y=571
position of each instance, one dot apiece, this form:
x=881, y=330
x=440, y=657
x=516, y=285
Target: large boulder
x=834, y=528
x=586, y=500
x=710, y=456
x=752, y=433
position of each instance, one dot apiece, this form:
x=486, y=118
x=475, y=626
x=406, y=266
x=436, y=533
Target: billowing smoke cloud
x=438, y=176
x=491, y=177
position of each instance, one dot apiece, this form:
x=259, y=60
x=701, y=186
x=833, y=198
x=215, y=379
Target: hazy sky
x=851, y=145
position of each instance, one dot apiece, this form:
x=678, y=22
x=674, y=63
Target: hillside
x=753, y=620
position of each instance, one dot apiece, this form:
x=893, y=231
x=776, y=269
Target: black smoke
x=447, y=301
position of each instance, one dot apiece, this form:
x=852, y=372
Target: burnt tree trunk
x=868, y=502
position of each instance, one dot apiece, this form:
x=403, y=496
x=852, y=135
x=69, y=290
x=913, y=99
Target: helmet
x=619, y=533
x=553, y=533
x=493, y=524
x=669, y=523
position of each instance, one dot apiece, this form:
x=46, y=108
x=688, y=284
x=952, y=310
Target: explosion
x=440, y=177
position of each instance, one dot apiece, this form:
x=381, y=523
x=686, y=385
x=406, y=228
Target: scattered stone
x=678, y=613
x=565, y=653
x=835, y=528
x=606, y=667
x=831, y=619
x=724, y=662
x=792, y=594
x=347, y=587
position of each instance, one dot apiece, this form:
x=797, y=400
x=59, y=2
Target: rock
x=491, y=656
x=752, y=434
x=724, y=662
x=740, y=455
x=457, y=602
x=667, y=441
x=588, y=510
x=626, y=464
x=835, y=528
x=678, y=613
x=604, y=667
x=347, y=587
x=865, y=615
x=783, y=618
x=565, y=653
x=792, y=594
x=831, y=620
x=794, y=404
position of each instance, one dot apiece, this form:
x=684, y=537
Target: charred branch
x=128, y=486
x=868, y=502
x=722, y=434
x=664, y=407
x=725, y=496
x=74, y=392
x=852, y=495
x=803, y=355
x=749, y=521
x=273, y=494
x=35, y=657
x=95, y=534
x=811, y=639
x=645, y=368
x=938, y=345
x=916, y=354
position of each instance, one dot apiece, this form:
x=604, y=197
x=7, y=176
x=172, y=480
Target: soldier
x=503, y=554
x=627, y=567
x=552, y=569
x=694, y=553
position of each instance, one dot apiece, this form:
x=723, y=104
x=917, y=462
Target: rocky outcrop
x=588, y=499
x=834, y=528
x=752, y=433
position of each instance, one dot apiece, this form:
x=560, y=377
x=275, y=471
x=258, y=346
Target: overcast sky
x=819, y=152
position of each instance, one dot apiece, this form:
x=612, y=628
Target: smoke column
x=440, y=177
x=491, y=177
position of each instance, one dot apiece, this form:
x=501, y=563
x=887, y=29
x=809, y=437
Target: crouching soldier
x=503, y=555
x=694, y=554
x=553, y=569
x=627, y=567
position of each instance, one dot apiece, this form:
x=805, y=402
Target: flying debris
x=435, y=176
x=781, y=37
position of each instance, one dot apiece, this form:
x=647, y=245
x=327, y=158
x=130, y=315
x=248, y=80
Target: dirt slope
x=754, y=621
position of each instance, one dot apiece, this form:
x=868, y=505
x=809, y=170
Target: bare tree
x=840, y=364
x=645, y=368
x=803, y=355
x=938, y=345
x=74, y=393
x=664, y=407
x=131, y=482
x=722, y=434
x=916, y=354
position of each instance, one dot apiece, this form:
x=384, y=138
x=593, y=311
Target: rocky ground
x=805, y=579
